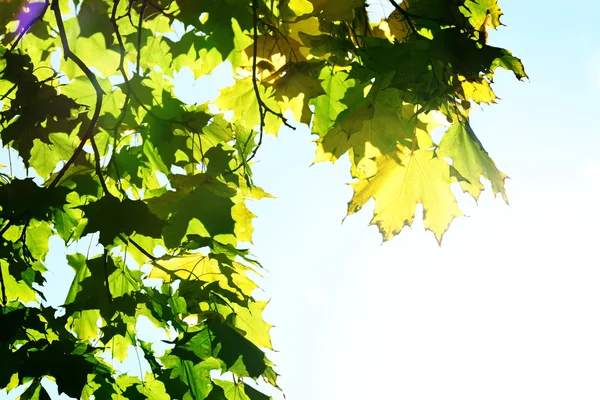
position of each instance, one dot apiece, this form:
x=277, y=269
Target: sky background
x=508, y=306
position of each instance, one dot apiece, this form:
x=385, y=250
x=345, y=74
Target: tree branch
x=154, y=260
x=68, y=54
x=263, y=109
x=261, y=104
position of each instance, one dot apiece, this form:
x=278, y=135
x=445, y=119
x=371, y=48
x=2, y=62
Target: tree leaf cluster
x=112, y=156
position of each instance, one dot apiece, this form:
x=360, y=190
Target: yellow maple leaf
x=404, y=180
x=300, y=7
x=201, y=267
x=241, y=98
x=479, y=91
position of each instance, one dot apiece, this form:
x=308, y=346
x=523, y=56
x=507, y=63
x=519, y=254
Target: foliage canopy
x=112, y=155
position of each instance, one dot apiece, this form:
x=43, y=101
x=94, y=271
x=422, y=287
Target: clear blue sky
x=509, y=306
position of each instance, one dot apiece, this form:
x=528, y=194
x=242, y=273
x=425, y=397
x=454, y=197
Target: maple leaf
x=471, y=160
x=241, y=98
x=296, y=89
x=336, y=10
x=483, y=13
x=133, y=216
x=328, y=106
x=372, y=130
x=404, y=180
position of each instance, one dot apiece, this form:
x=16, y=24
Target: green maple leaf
x=85, y=324
x=153, y=388
x=43, y=158
x=371, y=131
x=329, y=105
x=198, y=271
x=241, y=356
x=202, y=208
x=83, y=93
x=133, y=216
x=38, y=233
x=249, y=320
x=92, y=50
x=69, y=370
x=241, y=99
x=36, y=112
x=477, y=12
x=336, y=10
x=193, y=379
x=296, y=89
x=223, y=26
x=237, y=391
x=471, y=160
x=93, y=18
x=35, y=391
x=88, y=290
x=22, y=199
x=471, y=60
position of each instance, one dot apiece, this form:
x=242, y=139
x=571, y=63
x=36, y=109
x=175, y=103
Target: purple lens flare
x=28, y=13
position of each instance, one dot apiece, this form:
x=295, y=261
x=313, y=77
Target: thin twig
x=261, y=103
x=106, y=276
x=406, y=16
x=161, y=10
x=68, y=54
x=130, y=92
x=4, y=301
x=154, y=260
x=98, y=166
x=276, y=30
x=5, y=95
x=262, y=107
x=5, y=228
x=139, y=37
x=113, y=20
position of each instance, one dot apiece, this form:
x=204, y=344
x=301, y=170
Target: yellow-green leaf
x=404, y=180
x=471, y=160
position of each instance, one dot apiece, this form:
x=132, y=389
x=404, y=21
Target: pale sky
x=509, y=306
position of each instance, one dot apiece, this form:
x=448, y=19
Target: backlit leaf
x=403, y=180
